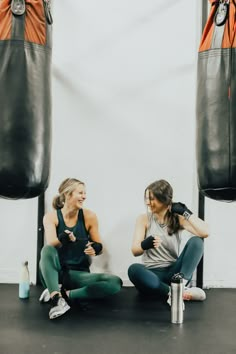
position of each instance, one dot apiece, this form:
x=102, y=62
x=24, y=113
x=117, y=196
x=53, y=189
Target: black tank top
x=72, y=255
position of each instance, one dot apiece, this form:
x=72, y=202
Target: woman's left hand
x=89, y=250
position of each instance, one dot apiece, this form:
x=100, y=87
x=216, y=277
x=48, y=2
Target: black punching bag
x=216, y=104
x=25, y=97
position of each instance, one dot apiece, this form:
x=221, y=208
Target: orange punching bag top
x=5, y=20
x=223, y=12
x=35, y=22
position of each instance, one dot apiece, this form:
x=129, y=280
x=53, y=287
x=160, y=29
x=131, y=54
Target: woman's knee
x=47, y=252
x=134, y=270
x=117, y=283
x=143, y=278
x=114, y=281
x=196, y=242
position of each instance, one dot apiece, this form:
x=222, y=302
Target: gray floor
x=125, y=323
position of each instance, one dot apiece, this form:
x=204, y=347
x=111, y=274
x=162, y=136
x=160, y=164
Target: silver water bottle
x=177, y=314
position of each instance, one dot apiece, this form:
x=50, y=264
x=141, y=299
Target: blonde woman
x=73, y=237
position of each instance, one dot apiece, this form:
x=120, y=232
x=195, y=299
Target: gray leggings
x=157, y=280
x=83, y=285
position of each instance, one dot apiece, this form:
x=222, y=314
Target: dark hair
x=66, y=187
x=163, y=192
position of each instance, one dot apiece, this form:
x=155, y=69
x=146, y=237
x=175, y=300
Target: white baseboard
x=208, y=284
x=127, y=282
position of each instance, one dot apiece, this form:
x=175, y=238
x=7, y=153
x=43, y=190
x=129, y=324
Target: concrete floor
x=124, y=323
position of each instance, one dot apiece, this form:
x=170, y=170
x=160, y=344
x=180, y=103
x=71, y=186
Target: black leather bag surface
x=216, y=104
x=25, y=97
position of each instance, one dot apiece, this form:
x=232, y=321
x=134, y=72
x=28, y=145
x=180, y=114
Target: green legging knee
x=82, y=285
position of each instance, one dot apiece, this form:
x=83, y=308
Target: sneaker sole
x=59, y=313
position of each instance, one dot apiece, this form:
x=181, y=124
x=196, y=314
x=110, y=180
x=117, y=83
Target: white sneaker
x=45, y=296
x=194, y=294
x=59, y=307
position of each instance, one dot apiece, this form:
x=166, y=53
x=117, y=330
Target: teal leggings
x=157, y=280
x=82, y=285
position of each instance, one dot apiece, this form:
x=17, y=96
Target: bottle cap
x=177, y=278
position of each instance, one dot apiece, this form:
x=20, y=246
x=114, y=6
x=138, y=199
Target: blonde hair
x=66, y=187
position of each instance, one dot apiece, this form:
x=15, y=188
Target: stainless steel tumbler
x=177, y=299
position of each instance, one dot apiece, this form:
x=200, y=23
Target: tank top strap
x=80, y=227
x=61, y=222
x=150, y=218
x=81, y=216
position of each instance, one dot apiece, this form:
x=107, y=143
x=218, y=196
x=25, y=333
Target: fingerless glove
x=147, y=243
x=181, y=209
x=97, y=246
x=63, y=238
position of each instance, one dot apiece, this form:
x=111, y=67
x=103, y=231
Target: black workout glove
x=64, y=238
x=147, y=243
x=181, y=209
x=97, y=246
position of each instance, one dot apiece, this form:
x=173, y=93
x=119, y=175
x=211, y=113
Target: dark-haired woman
x=157, y=238
x=72, y=237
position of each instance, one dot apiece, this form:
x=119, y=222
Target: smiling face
x=153, y=204
x=77, y=197
x=158, y=196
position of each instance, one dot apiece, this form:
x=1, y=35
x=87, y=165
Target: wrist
x=64, y=238
x=97, y=246
x=187, y=213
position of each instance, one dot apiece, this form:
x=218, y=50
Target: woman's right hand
x=151, y=242
x=71, y=236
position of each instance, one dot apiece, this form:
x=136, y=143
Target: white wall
x=124, y=76
x=124, y=94
x=220, y=260
x=18, y=238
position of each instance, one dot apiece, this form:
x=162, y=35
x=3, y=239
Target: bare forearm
x=54, y=243
x=200, y=227
x=137, y=251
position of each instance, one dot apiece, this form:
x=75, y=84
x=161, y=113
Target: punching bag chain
x=18, y=7
x=222, y=12
x=47, y=6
